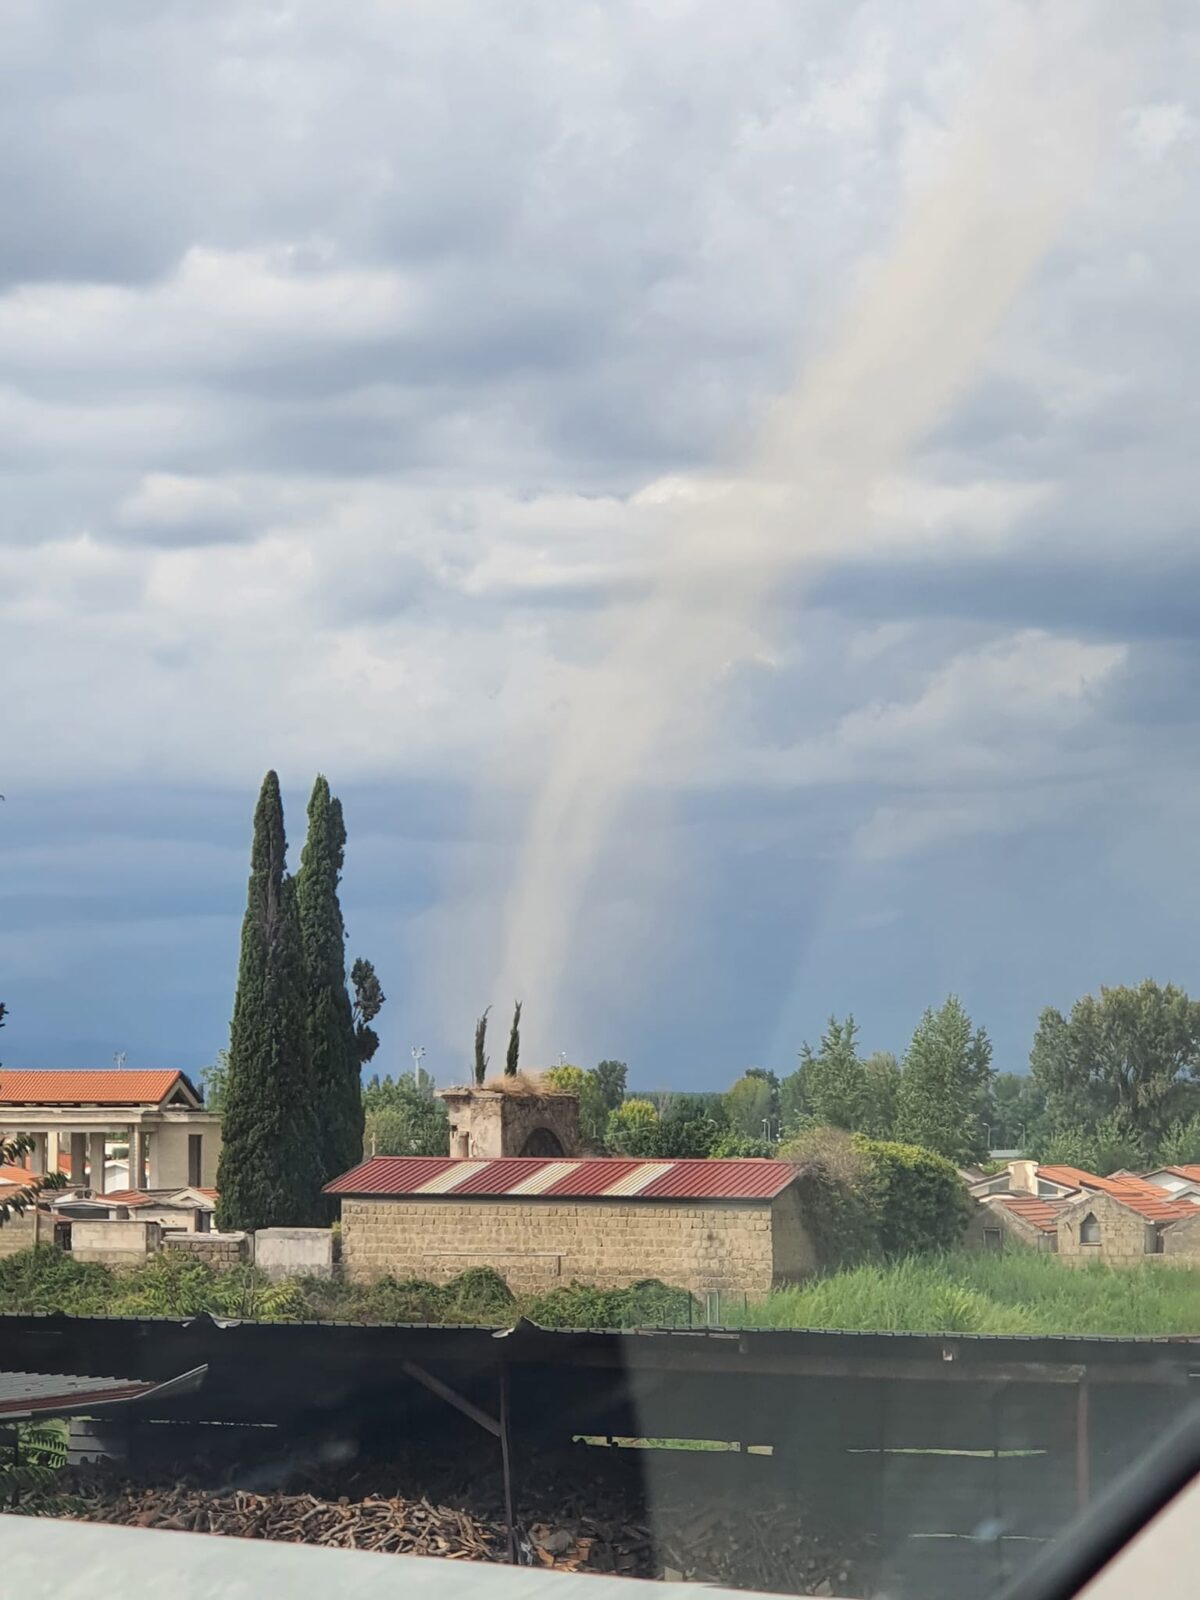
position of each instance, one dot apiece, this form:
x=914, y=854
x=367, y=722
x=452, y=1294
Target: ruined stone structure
x=487, y=1123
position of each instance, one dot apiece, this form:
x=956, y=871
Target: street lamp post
x=417, y=1052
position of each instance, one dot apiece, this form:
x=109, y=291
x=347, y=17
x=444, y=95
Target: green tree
x=1016, y=1111
x=752, y=1103
x=610, y=1080
x=795, y=1110
x=213, y=1080
x=513, y=1059
x=881, y=1077
x=1133, y=1053
x=632, y=1129
x=481, y=1060
x=12, y=1154
x=834, y=1081
x=406, y=1122
x=1106, y=1146
x=332, y=1045
x=1180, y=1145
x=368, y=1003
x=947, y=1071
x=919, y=1201
x=269, y=1171
x=593, y=1114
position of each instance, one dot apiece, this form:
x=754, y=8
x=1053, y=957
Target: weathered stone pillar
x=96, y=1163
x=38, y=1155
x=137, y=1159
x=79, y=1159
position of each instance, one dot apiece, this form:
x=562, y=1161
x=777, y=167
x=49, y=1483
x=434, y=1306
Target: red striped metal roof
x=592, y=1178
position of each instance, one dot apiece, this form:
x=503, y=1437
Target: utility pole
x=417, y=1052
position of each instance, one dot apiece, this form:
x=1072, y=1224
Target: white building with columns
x=173, y=1141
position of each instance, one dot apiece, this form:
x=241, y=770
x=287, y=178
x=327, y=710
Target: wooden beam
x=452, y=1397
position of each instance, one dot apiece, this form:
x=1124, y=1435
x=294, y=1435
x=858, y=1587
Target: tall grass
x=971, y=1292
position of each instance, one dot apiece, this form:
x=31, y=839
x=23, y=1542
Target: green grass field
x=972, y=1292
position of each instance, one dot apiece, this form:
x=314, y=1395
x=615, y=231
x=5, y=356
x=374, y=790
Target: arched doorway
x=542, y=1142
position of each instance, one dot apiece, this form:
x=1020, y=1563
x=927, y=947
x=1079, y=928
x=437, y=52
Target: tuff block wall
x=741, y=1247
x=1125, y=1236
x=219, y=1250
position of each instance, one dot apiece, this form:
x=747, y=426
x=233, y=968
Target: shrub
x=578, y=1305
x=48, y=1279
x=918, y=1200
x=833, y=1180
x=650, y=1303
x=479, y=1293
x=406, y=1300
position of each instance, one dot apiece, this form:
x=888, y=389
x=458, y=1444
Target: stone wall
x=793, y=1255
x=536, y=1244
x=488, y=1123
x=1181, y=1242
x=1013, y=1229
x=220, y=1250
x=1125, y=1237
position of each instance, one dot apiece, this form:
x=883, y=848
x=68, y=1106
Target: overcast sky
x=346, y=355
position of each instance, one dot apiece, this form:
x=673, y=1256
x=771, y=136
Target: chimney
x=1022, y=1177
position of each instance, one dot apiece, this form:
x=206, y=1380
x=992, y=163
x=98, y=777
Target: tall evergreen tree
x=332, y=1042
x=944, y=1085
x=513, y=1059
x=269, y=1174
x=834, y=1081
x=481, y=1059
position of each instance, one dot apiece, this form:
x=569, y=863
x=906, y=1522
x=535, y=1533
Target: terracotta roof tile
x=1031, y=1208
x=113, y=1088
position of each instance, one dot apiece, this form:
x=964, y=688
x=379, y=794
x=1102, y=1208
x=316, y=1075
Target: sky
x=349, y=357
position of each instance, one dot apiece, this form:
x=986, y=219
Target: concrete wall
x=536, y=1244
x=294, y=1252
x=17, y=1234
x=115, y=1244
x=168, y=1163
x=219, y=1250
x=1125, y=1236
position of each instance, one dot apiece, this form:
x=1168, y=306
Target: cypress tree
x=268, y=1174
x=331, y=1033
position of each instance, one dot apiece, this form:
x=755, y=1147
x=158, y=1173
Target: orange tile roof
x=1190, y=1171
x=19, y=1175
x=1037, y=1211
x=112, y=1088
x=1159, y=1208
x=1120, y=1184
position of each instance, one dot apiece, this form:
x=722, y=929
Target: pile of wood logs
x=597, y=1526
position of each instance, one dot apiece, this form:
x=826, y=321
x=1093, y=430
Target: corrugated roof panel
x=730, y=1178
x=539, y=1182
x=449, y=1180
x=595, y=1177
x=634, y=1183
x=591, y=1176
x=384, y=1175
